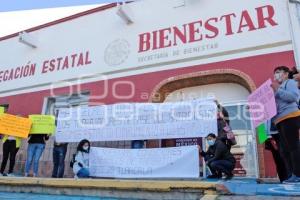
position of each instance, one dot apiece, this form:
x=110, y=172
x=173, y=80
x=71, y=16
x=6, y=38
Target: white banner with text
x=137, y=121
x=175, y=162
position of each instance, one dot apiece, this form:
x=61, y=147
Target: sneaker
x=215, y=176
x=229, y=176
x=293, y=179
x=75, y=177
x=26, y=175
x=11, y=175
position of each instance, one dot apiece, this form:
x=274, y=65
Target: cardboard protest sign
x=14, y=126
x=262, y=133
x=42, y=124
x=262, y=106
x=2, y=109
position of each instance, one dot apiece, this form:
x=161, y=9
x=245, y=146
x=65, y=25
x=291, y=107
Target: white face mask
x=278, y=77
x=85, y=148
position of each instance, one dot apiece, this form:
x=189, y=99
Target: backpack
x=73, y=160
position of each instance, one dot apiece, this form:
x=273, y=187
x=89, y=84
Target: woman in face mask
x=81, y=165
x=218, y=158
x=287, y=120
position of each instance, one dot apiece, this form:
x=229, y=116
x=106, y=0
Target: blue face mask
x=210, y=142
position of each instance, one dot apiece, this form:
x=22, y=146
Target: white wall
x=113, y=45
x=295, y=25
x=16, y=21
x=223, y=92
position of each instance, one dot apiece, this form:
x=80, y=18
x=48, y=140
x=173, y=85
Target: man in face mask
x=218, y=158
x=287, y=120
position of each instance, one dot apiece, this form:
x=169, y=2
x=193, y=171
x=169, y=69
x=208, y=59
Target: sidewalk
x=250, y=187
x=152, y=189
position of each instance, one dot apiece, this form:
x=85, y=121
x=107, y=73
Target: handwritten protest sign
x=262, y=104
x=42, y=124
x=137, y=121
x=262, y=133
x=14, y=125
x=175, y=162
x=2, y=109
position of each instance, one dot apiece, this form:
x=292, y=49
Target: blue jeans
x=34, y=152
x=137, y=144
x=83, y=173
x=59, y=154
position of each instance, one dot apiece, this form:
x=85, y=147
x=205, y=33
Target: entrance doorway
x=234, y=98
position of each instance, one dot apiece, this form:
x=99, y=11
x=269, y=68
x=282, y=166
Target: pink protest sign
x=262, y=106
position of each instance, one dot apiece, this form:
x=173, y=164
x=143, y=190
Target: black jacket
x=218, y=151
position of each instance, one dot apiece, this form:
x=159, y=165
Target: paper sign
x=262, y=106
x=175, y=162
x=42, y=124
x=137, y=121
x=2, y=109
x=14, y=126
x=262, y=133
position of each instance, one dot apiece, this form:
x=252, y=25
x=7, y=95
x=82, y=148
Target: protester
x=218, y=158
x=279, y=154
x=287, y=119
x=224, y=129
x=222, y=112
x=11, y=147
x=36, y=146
x=81, y=165
x=59, y=155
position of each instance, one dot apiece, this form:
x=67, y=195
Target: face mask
x=278, y=77
x=85, y=148
x=210, y=142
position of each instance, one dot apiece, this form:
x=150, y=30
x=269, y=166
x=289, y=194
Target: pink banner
x=262, y=104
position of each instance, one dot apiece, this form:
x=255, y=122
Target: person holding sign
x=59, y=155
x=287, y=119
x=81, y=165
x=218, y=158
x=36, y=146
x=11, y=147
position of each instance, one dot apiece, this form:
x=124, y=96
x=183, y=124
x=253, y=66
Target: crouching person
x=218, y=158
x=81, y=164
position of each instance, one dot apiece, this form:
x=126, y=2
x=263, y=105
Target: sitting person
x=81, y=165
x=218, y=158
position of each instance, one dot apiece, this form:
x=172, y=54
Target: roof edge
x=71, y=17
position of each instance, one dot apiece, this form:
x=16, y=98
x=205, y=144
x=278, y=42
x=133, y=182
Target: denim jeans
x=34, y=152
x=83, y=173
x=59, y=154
x=137, y=144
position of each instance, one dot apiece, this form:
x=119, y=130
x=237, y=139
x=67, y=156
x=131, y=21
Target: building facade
x=157, y=51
